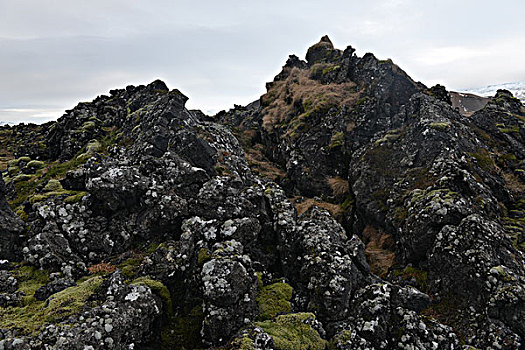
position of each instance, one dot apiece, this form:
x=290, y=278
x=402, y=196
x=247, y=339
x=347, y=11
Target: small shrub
x=104, y=268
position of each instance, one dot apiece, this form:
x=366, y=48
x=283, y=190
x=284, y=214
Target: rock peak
x=320, y=51
x=326, y=39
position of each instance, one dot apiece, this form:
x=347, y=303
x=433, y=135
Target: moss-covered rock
x=52, y=186
x=35, y=164
x=157, y=288
x=292, y=332
x=274, y=300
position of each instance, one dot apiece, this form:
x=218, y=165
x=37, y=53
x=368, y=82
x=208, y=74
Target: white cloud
x=449, y=54
x=58, y=52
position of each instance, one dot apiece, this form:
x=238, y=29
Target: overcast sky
x=54, y=54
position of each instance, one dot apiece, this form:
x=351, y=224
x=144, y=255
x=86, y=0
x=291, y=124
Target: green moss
x=273, y=300
x=30, y=279
x=243, y=343
x=89, y=125
x=514, y=129
x=157, y=288
x=337, y=140
x=440, y=126
x=35, y=164
x=290, y=332
x=42, y=197
x=13, y=170
x=152, y=248
x=71, y=300
x=483, y=159
x=16, y=162
x=84, y=157
x=21, y=213
x=400, y=214
x=75, y=198
x=26, y=188
x=53, y=185
x=204, y=256
x=361, y=101
x=13, y=163
x=33, y=314
x=93, y=146
x=130, y=267
x=22, y=177
x=331, y=69
x=348, y=204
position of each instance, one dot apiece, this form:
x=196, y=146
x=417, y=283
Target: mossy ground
x=26, y=185
x=30, y=279
x=33, y=314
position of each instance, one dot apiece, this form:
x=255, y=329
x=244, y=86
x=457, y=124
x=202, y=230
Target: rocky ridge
x=133, y=223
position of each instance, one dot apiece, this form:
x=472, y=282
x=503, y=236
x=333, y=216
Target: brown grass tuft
x=379, y=250
x=101, y=267
x=284, y=96
x=302, y=207
x=338, y=185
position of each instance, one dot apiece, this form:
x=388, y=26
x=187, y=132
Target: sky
x=56, y=53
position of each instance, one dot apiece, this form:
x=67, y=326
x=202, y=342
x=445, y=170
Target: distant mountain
x=517, y=89
x=467, y=103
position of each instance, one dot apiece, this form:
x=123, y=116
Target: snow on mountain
x=517, y=89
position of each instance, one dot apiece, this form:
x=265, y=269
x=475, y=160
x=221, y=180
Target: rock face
x=349, y=208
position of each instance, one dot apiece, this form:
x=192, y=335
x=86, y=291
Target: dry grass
x=260, y=165
x=302, y=207
x=101, y=267
x=338, y=185
x=514, y=183
x=350, y=126
x=379, y=250
x=298, y=89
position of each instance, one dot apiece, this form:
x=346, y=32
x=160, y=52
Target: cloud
x=54, y=53
x=449, y=54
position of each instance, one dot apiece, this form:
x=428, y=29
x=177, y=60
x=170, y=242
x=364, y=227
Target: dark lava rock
x=11, y=228
x=393, y=221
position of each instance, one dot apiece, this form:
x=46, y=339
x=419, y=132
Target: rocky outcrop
x=349, y=208
x=11, y=228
